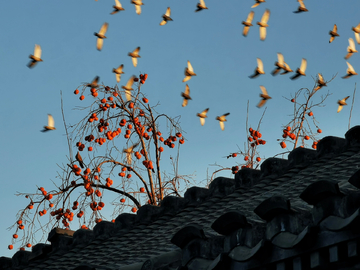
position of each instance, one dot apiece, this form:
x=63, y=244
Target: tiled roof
x=258, y=210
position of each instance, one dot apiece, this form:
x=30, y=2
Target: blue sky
x=211, y=39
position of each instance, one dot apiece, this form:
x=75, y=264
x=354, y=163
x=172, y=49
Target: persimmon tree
x=120, y=139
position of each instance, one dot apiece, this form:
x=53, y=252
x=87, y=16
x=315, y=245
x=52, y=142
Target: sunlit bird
x=202, y=116
x=189, y=72
x=50, y=125
x=129, y=152
x=279, y=65
x=300, y=71
x=128, y=87
x=350, y=71
x=263, y=24
x=248, y=23
x=351, y=48
x=117, y=7
x=264, y=96
x=259, y=69
x=166, y=17
x=101, y=36
x=320, y=82
x=257, y=2
x=94, y=83
x=301, y=8
x=221, y=120
x=134, y=56
x=333, y=33
x=118, y=71
x=286, y=68
x=36, y=57
x=356, y=30
x=342, y=102
x=186, y=95
x=80, y=160
x=138, y=4
x=201, y=6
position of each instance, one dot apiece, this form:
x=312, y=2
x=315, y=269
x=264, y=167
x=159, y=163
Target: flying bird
x=79, y=159
x=301, y=8
x=94, y=83
x=257, y=2
x=259, y=69
x=134, y=56
x=117, y=7
x=333, y=33
x=118, y=71
x=320, y=82
x=36, y=57
x=101, y=36
x=138, y=4
x=186, y=95
x=264, y=96
x=128, y=87
x=263, y=24
x=351, y=48
x=221, y=120
x=201, y=6
x=349, y=72
x=189, y=72
x=342, y=103
x=356, y=30
x=300, y=71
x=50, y=125
x=129, y=152
x=279, y=65
x=202, y=116
x=247, y=23
x=286, y=68
x=166, y=17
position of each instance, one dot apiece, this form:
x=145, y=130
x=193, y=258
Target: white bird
x=320, y=82
x=263, y=24
x=279, y=65
x=350, y=71
x=342, y=103
x=138, y=4
x=333, y=33
x=351, y=48
x=134, y=56
x=202, y=116
x=301, y=8
x=248, y=23
x=166, y=17
x=36, y=57
x=221, y=120
x=257, y=2
x=300, y=71
x=117, y=7
x=264, y=96
x=189, y=72
x=129, y=152
x=101, y=36
x=186, y=95
x=128, y=87
x=94, y=83
x=201, y=6
x=50, y=125
x=118, y=71
x=259, y=69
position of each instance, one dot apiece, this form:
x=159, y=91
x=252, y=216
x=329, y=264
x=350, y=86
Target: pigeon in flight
x=138, y=4
x=80, y=160
x=101, y=36
x=257, y=2
x=333, y=33
x=301, y=8
x=117, y=7
x=349, y=72
x=128, y=88
x=134, y=56
x=320, y=82
x=300, y=71
x=94, y=83
x=259, y=69
x=50, y=125
x=264, y=96
x=186, y=95
x=36, y=57
x=202, y=116
x=118, y=71
x=247, y=23
x=189, y=71
x=166, y=17
x=279, y=65
x=342, y=103
x=201, y=6
x=221, y=120
x=263, y=24
x=351, y=48
x=129, y=152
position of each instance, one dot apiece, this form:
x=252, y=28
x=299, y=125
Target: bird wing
x=186, y=78
x=190, y=66
x=302, y=4
x=130, y=82
x=260, y=64
x=250, y=17
x=51, y=122
x=128, y=95
x=136, y=51
x=168, y=12
x=118, y=77
x=344, y=99
x=134, y=61
x=263, y=90
x=185, y=102
x=117, y=3
x=222, y=125
x=255, y=5
x=187, y=90
x=262, y=33
x=303, y=65
x=205, y=111
x=265, y=17
x=37, y=51
x=246, y=30
x=119, y=69
x=280, y=59
x=202, y=3
x=163, y=22
x=321, y=79
x=335, y=28
x=357, y=37
x=331, y=39
x=103, y=29
x=350, y=67
x=202, y=121
x=99, y=43
x=352, y=44
x=261, y=103
x=138, y=9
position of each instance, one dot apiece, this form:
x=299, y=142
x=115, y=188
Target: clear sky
x=211, y=39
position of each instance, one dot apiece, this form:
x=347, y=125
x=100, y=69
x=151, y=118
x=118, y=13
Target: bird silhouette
x=36, y=57
x=342, y=102
x=50, y=125
x=301, y=8
x=94, y=83
x=320, y=82
x=166, y=17
x=134, y=56
x=257, y=2
x=247, y=23
x=351, y=48
x=264, y=96
x=300, y=71
x=279, y=65
x=101, y=36
x=221, y=120
x=333, y=33
x=129, y=152
x=263, y=24
x=118, y=71
x=80, y=160
x=350, y=71
x=128, y=87
x=138, y=4
x=189, y=72
x=259, y=69
x=117, y=7
x=201, y=6
x=186, y=95
x=202, y=116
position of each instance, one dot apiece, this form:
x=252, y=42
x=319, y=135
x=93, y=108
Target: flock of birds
x=280, y=65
